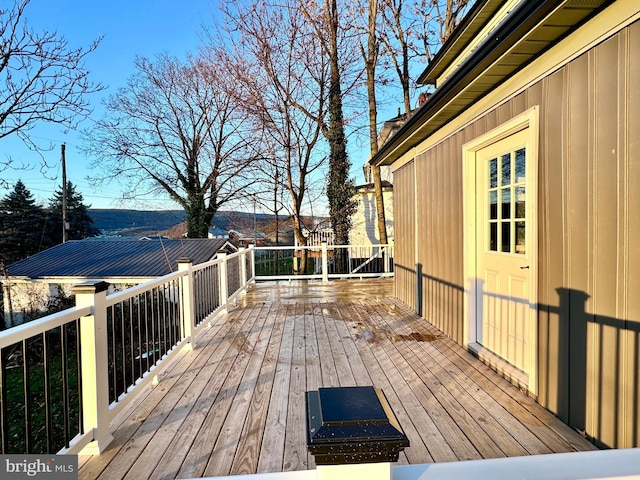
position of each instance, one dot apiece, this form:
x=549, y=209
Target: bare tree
x=324, y=18
x=447, y=16
x=278, y=60
x=396, y=33
x=416, y=29
x=43, y=79
x=390, y=35
x=176, y=128
x=370, y=50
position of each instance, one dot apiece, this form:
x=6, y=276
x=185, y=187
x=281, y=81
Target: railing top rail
x=215, y=261
x=142, y=288
x=27, y=330
x=356, y=245
x=303, y=247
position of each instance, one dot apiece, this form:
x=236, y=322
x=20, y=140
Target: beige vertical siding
x=588, y=233
x=589, y=322
x=439, y=201
x=630, y=258
x=404, y=206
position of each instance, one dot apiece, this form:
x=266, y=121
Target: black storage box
x=349, y=425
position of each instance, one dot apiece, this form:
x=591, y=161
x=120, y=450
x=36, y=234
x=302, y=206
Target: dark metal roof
x=122, y=258
x=528, y=31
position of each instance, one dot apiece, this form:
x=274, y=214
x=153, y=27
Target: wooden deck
x=235, y=404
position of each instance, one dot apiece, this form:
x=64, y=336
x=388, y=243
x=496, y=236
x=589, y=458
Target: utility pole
x=64, y=193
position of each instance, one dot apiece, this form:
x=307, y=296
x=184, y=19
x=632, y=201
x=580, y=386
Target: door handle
x=524, y=267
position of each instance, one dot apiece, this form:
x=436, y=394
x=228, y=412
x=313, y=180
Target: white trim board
x=528, y=121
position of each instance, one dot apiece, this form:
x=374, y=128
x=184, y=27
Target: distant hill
x=135, y=223
x=112, y=222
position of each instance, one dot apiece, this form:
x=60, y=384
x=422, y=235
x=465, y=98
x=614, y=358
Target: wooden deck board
x=221, y=459
x=508, y=421
x=250, y=440
x=295, y=455
x=177, y=431
x=235, y=405
x=197, y=456
x=457, y=397
x=416, y=423
x=272, y=451
x=335, y=369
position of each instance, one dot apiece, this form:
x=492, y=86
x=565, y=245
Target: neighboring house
x=246, y=238
x=280, y=233
x=320, y=233
x=33, y=283
x=364, y=222
x=217, y=232
x=516, y=190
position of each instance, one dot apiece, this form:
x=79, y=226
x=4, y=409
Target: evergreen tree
x=21, y=225
x=78, y=218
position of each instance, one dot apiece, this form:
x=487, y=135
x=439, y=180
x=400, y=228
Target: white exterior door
x=503, y=277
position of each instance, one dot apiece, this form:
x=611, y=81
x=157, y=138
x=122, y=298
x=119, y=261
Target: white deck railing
x=601, y=464
x=85, y=364
x=324, y=262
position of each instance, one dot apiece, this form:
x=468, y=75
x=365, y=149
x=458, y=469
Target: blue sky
x=130, y=28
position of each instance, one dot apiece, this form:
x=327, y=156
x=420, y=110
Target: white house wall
x=364, y=227
x=24, y=298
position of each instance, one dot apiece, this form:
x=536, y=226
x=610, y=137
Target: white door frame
x=528, y=120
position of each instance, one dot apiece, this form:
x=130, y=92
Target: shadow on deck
x=235, y=404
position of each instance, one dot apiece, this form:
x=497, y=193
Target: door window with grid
x=506, y=190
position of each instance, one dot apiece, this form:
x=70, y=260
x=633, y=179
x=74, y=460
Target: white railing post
x=325, y=262
x=224, y=281
x=94, y=367
x=187, y=302
x=252, y=248
x=387, y=256
x=243, y=266
x=370, y=471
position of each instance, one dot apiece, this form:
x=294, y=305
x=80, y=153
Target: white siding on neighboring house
x=364, y=223
x=27, y=298
x=386, y=175
x=22, y=299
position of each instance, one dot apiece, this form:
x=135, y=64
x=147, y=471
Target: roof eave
x=469, y=26
x=524, y=19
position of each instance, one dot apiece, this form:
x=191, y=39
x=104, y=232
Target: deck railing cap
x=90, y=286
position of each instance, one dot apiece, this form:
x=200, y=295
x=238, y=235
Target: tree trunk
x=198, y=219
x=406, y=93
x=371, y=61
x=3, y=325
x=340, y=190
x=380, y=213
x=301, y=267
